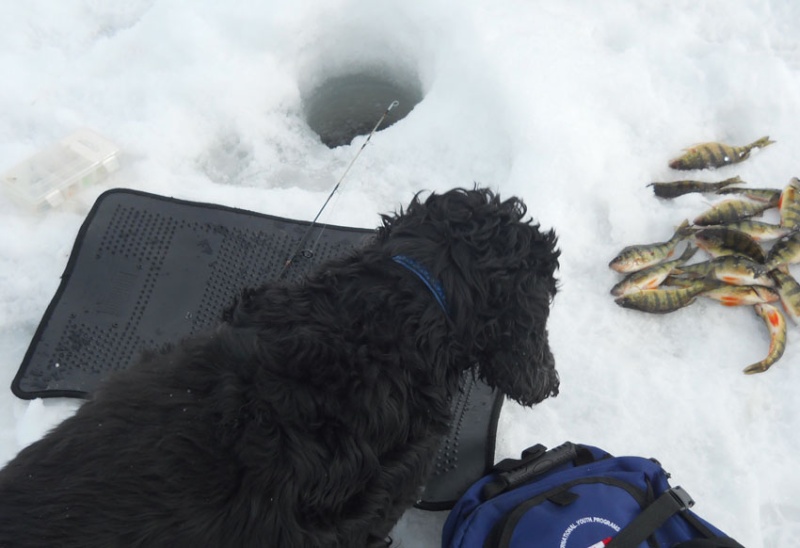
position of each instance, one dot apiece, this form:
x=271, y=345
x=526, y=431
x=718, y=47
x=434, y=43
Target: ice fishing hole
x=343, y=107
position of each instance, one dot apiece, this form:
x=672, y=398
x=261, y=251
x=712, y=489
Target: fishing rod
x=307, y=232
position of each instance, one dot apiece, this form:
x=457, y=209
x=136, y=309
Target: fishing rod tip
x=394, y=103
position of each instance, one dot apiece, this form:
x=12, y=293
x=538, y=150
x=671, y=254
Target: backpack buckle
x=536, y=462
x=683, y=498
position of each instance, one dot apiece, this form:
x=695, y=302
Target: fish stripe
x=673, y=299
x=709, y=154
x=726, y=153
x=704, y=156
x=726, y=209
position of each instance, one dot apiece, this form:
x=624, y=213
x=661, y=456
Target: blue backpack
x=577, y=496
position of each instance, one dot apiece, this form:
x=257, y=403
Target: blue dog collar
x=422, y=273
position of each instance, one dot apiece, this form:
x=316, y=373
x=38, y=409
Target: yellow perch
x=637, y=257
x=679, y=188
x=789, y=204
x=741, y=295
x=721, y=240
x=661, y=301
x=731, y=269
x=652, y=276
x=769, y=195
x=731, y=210
x=759, y=230
x=776, y=324
x=785, y=251
x=789, y=292
x=713, y=155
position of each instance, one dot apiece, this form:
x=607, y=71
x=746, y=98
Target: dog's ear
x=517, y=285
x=514, y=352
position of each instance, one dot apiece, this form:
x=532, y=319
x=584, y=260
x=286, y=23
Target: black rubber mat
x=146, y=270
x=467, y=453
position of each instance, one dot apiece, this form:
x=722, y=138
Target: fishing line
x=309, y=252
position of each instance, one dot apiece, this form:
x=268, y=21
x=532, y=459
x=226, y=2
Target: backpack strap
x=719, y=542
x=671, y=502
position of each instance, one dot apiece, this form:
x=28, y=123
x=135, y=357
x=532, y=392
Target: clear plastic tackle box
x=58, y=172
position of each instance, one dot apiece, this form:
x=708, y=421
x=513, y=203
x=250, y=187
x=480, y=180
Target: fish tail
x=758, y=367
x=744, y=151
x=760, y=143
x=776, y=324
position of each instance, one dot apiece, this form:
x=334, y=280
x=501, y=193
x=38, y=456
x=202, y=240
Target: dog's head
x=497, y=270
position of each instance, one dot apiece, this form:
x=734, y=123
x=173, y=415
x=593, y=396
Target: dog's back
x=311, y=416
x=225, y=441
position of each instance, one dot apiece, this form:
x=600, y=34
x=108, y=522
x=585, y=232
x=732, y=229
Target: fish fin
x=688, y=253
x=683, y=230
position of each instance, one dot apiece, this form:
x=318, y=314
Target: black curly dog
x=310, y=416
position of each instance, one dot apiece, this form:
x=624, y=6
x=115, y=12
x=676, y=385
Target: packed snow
x=574, y=106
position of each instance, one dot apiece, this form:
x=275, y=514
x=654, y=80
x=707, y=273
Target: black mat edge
x=73, y=257
x=488, y=457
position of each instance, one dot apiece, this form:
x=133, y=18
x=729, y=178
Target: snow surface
x=573, y=105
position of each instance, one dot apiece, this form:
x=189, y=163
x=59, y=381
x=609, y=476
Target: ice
x=575, y=106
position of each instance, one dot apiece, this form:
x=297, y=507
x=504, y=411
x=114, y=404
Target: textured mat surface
x=146, y=270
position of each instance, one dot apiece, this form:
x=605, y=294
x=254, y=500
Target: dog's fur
x=309, y=417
